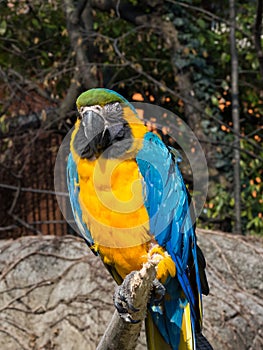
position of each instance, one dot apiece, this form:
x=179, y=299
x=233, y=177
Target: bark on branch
x=120, y=334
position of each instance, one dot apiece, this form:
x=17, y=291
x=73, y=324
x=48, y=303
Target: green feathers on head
x=100, y=97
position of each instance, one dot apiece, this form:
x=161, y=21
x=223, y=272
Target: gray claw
x=127, y=318
x=158, y=292
x=123, y=301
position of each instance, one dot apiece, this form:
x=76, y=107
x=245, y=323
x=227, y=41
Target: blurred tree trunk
x=258, y=33
x=235, y=117
x=79, y=19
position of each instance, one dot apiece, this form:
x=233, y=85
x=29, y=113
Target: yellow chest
x=112, y=201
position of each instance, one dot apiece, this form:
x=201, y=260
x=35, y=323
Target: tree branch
x=125, y=10
x=208, y=14
x=33, y=190
x=78, y=44
x=120, y=334
x=83, y=76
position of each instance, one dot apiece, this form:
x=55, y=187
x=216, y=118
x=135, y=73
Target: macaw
x=130, y=203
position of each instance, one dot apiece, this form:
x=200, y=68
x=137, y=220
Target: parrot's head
x=104, y=125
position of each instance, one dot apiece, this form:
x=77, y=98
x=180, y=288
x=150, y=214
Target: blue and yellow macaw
x=130, y=203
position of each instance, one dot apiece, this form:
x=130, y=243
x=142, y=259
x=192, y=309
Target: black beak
x=96, y=134
x=87, y=142
x=93, y=124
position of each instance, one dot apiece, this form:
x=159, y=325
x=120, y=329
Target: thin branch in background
x=230, y=145
x=16, y=217
x=25, y=224
x=8, y=228
x=48, y=222
x=257, y=35
x=15, y=199
x=235, y=116
x=33, y=190
x=209, y=15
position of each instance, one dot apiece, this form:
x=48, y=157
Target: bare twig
x=33, y=190
x=208, y=14
x=24, y=223
x=8, y=228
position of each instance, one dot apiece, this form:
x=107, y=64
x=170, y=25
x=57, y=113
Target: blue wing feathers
x=170, y=222
x=73, y=188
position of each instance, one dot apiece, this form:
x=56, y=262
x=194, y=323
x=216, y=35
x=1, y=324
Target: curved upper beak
x=98, y=132
x=93, y=123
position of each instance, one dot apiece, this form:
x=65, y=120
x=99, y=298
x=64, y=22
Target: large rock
x=233, y=311
x=55, y=294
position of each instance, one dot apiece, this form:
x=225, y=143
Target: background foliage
x=172, y=53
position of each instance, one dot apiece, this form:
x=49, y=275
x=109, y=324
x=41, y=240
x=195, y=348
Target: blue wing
x=167, y=204
x=73, y=188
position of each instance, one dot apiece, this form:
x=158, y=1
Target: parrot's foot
x=122, y=300
x=158, y=292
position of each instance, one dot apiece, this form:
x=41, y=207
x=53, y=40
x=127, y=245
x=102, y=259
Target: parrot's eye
x=113, y=107
x=117, y=106
x=97, y=109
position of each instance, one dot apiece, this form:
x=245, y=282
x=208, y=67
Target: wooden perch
x=120, y=334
